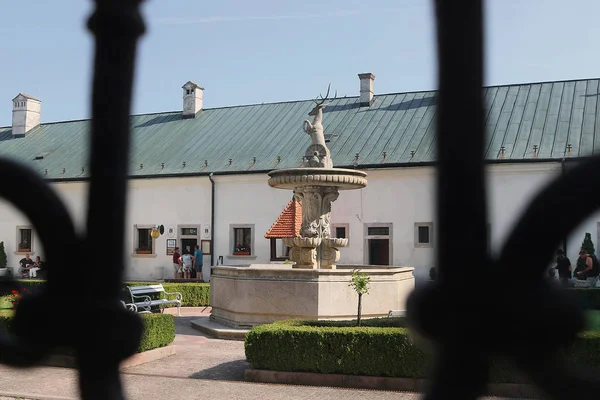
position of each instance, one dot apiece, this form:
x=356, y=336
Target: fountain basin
x=255, y=294
x=340, y=178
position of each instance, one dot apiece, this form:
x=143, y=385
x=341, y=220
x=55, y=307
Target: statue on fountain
x=316, y=184
x=317, y=154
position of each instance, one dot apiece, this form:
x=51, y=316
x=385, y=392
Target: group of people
x=587, y=268
x=187, y=263
x=29, y=268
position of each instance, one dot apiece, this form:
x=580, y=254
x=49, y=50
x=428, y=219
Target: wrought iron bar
x=116, y=25
x=515, y=313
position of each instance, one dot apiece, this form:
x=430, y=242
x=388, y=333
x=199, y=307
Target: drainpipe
x=212, y=221
x=563, y=171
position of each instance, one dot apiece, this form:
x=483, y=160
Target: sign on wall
x=206, y=231
x=171, y=244
x=205, y=246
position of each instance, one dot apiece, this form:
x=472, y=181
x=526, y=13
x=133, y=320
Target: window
x=24, y=239
x=189, y=231
x=143, y=242
x=378, y=231
x=241, y=239
x=340, y=231
x=423, y=234
x=279, y=251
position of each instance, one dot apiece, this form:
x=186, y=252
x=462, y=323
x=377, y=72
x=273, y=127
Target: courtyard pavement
x=202, y=368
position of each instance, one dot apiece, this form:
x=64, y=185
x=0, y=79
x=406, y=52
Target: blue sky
x=263, y=51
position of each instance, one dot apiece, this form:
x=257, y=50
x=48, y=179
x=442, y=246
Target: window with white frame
x=423, y=234
x=340, y=231
x=143, y=241
x=24, y=239
x=241, y=239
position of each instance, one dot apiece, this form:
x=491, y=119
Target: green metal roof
x=548, y=115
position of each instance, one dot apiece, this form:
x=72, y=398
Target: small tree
x=587, y=244
x=360, y=283
x=3, y=261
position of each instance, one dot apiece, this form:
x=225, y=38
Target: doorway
x=378, y=244
x=379, y=251
x=188, y=245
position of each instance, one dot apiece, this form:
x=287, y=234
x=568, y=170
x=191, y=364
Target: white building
x=532, y=128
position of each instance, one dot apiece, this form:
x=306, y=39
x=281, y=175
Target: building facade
x=202, y=173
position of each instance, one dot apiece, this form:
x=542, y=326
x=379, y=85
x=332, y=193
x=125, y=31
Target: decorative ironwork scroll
x=116, y=332
x=481, y=307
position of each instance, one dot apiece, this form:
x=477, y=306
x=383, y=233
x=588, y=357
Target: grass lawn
x=5, y=304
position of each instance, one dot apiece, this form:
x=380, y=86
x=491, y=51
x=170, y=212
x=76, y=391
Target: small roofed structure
x=287, y=225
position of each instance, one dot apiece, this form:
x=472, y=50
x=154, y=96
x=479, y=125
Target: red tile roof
x=288, y=223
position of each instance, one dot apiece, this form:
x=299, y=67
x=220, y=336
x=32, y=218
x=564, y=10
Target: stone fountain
x=316, y=185
x=314, y=287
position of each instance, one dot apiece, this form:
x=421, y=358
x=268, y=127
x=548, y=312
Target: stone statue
x=317, y=155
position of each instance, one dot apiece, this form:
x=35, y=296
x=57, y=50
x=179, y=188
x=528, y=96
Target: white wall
x=398, y=196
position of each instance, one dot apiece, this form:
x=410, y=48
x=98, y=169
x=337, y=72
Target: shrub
x=159, y=331
x=589, y=298
x=334, y=347
x=194, y=294
x=365, y=350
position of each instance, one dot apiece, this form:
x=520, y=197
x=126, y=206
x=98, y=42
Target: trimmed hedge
x=159, y=330
x=309, y=346
x=194, y=294
x=588, y=297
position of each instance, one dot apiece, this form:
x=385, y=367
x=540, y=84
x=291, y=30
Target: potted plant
x=24, y=247
x=241, y=251
x=3, y=261
x=143, y=250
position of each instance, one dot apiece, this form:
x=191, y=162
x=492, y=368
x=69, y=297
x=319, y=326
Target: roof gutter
x=212, y=221
x=357, y=166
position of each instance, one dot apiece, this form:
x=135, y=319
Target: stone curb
x=136, y=359
x=377, y=383
x=205, y=325
x=20, y=395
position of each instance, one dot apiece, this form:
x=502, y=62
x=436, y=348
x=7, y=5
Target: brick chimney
x=366, y=89
x=26, y=114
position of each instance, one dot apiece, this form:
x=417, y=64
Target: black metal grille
x=455, y=312
x=482, y=307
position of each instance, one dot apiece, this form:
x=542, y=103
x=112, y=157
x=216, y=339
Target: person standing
x=198, y=255
x=187, y=261
x=563, y=265
x=176, y=257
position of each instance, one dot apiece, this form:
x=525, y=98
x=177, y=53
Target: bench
x=396, y=313
x=129, y=306
x=140, y=297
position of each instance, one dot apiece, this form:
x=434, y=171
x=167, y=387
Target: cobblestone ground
x=202, y=368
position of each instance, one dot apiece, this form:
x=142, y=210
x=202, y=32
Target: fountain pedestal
x=316, y=188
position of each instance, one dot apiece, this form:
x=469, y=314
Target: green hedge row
x=159, y=329
x=589, y=298
x=194, y=294
x=372, y=350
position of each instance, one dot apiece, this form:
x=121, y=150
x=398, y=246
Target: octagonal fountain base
x=249, y=295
